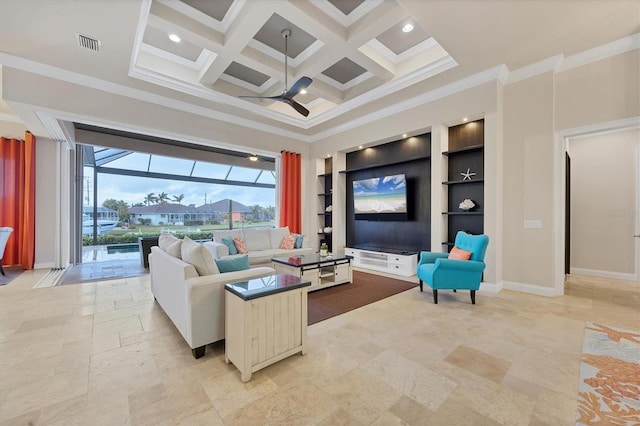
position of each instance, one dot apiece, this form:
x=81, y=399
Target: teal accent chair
x=442, y=273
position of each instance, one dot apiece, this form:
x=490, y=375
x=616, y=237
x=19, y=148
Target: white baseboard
x=491, y=287
x=603, y=274
x=529, y=288
x=47, y=265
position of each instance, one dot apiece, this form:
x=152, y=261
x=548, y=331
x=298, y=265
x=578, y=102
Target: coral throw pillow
x=240, y=245
x=459, y=254
x=288, y=242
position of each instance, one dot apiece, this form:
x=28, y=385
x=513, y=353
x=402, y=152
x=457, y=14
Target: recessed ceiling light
x=404, y=135
x=174, y=38
x=465, y=119
x=303, y=92
x=328, y=155
x=359, y=146
x=408, y=27
x=253, y=157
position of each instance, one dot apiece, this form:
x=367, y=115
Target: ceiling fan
x=287, y=95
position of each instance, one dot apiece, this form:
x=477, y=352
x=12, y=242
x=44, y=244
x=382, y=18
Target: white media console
x=397, y=263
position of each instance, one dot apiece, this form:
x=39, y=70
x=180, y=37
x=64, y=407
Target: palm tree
x=163, y=197
x=178, y=198
x=150, y=198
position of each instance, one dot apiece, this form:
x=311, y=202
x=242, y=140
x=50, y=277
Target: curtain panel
x=290, y=191
x=17, y=198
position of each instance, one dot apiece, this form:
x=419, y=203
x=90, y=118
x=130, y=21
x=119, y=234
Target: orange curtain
x=290, y=191
x=17, y=198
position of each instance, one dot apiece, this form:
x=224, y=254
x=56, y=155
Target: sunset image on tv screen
x=385, y=194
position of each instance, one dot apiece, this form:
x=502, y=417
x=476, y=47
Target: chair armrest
x=430, y=257
x=460, y=265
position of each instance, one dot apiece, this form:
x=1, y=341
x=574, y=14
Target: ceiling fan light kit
x=288, y=94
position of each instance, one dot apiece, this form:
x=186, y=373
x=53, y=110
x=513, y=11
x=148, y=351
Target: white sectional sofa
x=262, y=244
x=194, y=302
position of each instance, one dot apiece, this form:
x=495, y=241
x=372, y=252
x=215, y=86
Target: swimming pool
x=123, y=248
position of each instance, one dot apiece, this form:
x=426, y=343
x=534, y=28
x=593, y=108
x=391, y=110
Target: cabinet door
x=313, y=276
x=343, y=273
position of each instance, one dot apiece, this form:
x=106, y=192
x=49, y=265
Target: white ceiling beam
x=248, y=22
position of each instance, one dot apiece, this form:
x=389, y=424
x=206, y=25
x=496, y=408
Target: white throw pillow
x=198, y=255
x=171, y=244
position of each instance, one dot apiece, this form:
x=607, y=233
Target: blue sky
x=380, y=185
x=134, y=190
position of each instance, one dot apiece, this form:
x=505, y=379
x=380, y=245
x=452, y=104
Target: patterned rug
x=609, y=390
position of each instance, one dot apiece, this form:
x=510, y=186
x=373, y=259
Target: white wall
x=528, y=174
x=46, y=170
x=603, y=204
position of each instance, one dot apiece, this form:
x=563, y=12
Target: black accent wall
x=410, y=156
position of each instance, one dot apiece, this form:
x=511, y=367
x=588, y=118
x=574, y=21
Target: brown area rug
x=365, y=289
x=10, y=274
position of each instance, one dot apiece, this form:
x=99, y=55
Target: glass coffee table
x=322, y=271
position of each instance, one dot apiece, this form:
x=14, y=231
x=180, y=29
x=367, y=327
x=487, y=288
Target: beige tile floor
x=102, y=353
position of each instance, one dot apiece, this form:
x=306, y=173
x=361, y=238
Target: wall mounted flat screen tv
x=380, y=198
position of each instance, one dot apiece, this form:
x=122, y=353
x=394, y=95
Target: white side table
x=265, y=321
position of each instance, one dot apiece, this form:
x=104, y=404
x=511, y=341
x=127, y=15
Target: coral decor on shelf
x=466, y=204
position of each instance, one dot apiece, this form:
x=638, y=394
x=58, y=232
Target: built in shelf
x=324, y=175
x=448, y=243
x=460, y=182
x=465, y=149
x=374, y=166
x=463, y=213
x=325, y=194
x=324, y=214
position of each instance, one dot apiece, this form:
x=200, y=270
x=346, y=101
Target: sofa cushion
x=171, y=244
x=217, y=250
x=257, y=239
x=198, y=256
x=222, y=233
x=276, y=235
x=228, y=241
x=299, y=241
x=288, y=241
x=230, y=264
x=241, y=247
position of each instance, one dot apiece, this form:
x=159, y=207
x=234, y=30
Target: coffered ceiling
x=110, y=63
x=354, y=51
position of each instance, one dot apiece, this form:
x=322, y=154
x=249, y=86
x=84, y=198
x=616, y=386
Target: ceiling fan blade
x=273, y=98
x=302, y=110
x=302, y=83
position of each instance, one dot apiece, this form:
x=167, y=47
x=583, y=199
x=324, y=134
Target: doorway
x=599, y=222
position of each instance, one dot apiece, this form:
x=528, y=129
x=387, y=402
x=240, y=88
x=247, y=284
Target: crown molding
x=540, y=67
x=599, y=53
x=478, y=79
x=12, y=118
x=560, y=63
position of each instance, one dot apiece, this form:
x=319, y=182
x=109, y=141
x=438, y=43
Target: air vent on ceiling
x=88, y=42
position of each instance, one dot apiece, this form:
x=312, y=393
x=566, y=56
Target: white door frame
x=559, y=173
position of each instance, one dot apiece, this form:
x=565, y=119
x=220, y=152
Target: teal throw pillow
x=228, y=241
x=239, y=263
x=298, y=243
